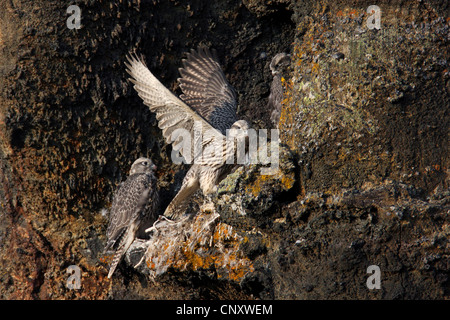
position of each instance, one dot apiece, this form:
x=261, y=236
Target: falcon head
x=279, y=62
x=239, y=135
x=142, y=165
x=239, y=128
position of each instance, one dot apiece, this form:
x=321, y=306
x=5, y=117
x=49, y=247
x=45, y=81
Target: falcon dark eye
x=145, y=163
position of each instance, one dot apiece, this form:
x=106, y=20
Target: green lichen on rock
x=352, y=89
x=253, y=189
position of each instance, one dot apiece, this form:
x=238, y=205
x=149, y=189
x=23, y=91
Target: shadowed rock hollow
x=363, y=177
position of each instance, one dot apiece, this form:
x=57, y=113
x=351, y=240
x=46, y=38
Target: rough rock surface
x=364, y=161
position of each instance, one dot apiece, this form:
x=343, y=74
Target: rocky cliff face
x=363, y=177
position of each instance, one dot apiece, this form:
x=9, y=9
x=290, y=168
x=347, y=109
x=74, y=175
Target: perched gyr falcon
x=134, y=208
x=206, y=110
x=279, y=62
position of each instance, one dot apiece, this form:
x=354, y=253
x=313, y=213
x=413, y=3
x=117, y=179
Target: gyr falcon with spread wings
x=206, y=110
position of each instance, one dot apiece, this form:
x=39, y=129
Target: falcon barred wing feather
x=129, y=200
x=206, y=89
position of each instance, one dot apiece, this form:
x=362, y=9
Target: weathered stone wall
x=363, y=178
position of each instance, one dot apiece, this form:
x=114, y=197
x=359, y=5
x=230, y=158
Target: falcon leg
x=178, y=204
x=208, y=204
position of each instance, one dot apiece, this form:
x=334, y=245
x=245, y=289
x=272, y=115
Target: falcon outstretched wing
x=173, y=114
x=206, y=90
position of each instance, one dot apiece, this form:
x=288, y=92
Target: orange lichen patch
x=255, y=187
x=349, y=12
x=106, y=259
x=197, y=244
x=352, y=12
x=315, y=67
x=286, y=181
